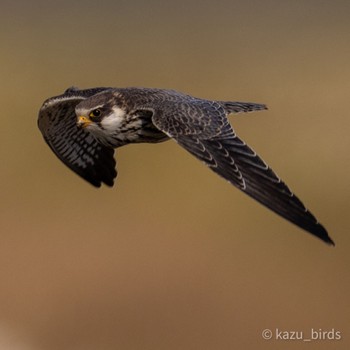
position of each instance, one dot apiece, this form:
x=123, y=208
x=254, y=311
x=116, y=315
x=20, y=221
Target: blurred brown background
x=173, y=257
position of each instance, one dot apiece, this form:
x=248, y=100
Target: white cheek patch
x=114, y=120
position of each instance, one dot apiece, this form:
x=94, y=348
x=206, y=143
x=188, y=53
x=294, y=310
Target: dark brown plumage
x=83, y=127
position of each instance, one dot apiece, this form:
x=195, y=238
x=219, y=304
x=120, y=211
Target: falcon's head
x=101, y=116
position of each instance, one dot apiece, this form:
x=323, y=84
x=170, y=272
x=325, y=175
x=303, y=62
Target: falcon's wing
x=202, y=128
x=76, y=147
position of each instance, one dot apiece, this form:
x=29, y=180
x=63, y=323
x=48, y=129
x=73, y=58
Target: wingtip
x=109, y=183
x=330, y=242
x=322, y=233
x=98, y=183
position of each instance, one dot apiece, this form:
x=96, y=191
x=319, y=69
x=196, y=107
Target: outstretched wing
x=76, y=147
x=202, y=128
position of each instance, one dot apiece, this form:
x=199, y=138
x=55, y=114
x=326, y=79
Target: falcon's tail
x=238, y=107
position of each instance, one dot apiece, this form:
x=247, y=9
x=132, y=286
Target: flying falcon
x=83, y=127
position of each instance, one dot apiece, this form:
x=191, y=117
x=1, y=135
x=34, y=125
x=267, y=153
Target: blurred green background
x=173, y=257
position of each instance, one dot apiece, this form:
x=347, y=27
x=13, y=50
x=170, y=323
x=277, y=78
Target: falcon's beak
x=83, y=122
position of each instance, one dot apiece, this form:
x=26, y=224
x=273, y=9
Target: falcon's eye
x=95, y=113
